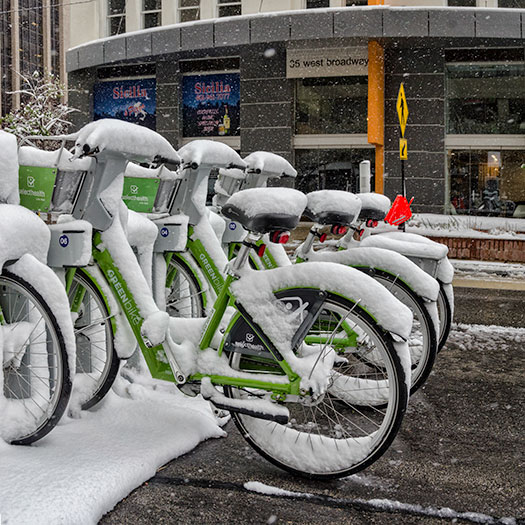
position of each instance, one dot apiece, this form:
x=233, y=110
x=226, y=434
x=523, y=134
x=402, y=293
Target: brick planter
x=484, y=249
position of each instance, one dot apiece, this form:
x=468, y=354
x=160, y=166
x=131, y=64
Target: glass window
x=486, y=98
x=350, y=3
x=462, y=3
x=516, y=4
x=189, y=10
x=312, y=4
x=151, y=13
x=5, y=56
x=331, y=105
x=330, y=169
x=487, y=182
x=229, y=7
x=116, y=17
x=31, y=37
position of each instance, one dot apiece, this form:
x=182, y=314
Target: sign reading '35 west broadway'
x=327, y=62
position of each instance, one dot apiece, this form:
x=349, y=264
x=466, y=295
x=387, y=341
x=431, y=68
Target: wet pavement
x=461, y=447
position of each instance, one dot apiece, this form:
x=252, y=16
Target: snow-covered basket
x=50, y=181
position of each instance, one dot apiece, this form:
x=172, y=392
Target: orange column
x=376, y=107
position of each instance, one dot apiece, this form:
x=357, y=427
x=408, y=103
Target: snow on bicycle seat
x=373, y=206
x=264, y=210
x=210, y=153
x=269, y=164
x=332, y=207
x=132, y=141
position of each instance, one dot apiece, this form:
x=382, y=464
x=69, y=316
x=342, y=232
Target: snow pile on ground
x=484, y=270
x=495, y=338
x=467, y=226
x=85, y=466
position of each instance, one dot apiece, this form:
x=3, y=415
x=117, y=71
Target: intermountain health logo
x=134, y=189
x=31, y=182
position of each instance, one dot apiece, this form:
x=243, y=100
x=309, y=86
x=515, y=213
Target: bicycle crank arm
x=259, y=408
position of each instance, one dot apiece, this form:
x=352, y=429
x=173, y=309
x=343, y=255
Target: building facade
x=320, y=87
x=32, y=34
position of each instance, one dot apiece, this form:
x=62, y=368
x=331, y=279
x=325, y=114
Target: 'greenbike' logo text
x=128, y=303
x=216, y=279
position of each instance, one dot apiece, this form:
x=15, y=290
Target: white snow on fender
x=8, y=169
x=392, y=262
x=22, y=232
x=48, y=285
x=374, y=201
x=255, y=291
x=407, y=244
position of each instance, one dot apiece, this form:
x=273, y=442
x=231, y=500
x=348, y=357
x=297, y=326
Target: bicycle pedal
x=190, y=389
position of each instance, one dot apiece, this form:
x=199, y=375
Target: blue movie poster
x=211, y=105
x=130, y=100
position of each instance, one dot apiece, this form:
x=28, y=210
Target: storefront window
x=331, y=105
x=486, y=98
x=330, y=169
x=314, y=4
x=487, y=182
x=516, y=4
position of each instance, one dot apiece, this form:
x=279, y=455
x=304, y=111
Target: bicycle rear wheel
x=445, y=314
x=422, y=342
x=35, y=369
x=355, y=421
x=97, y=361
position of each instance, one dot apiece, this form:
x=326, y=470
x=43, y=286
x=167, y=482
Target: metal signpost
x=402, y=112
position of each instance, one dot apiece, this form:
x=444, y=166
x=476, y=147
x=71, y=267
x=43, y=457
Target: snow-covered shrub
x=42, y=111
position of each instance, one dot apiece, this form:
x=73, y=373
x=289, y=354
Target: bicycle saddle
x=373, y=206
x=265, y=210
x=332, y=207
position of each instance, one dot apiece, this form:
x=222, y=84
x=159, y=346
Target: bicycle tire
x=184, y=293
x=356, y=401
x=97, y=362
x=445, y=316
x=423, y=330
x=34, y=369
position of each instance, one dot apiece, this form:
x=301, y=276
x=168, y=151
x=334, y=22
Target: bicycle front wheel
x=97, y=361
x=183, y=291
x=355, y=421
x=35, y=370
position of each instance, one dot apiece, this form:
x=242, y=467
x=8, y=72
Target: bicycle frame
x=202, y=258
x=156, y=356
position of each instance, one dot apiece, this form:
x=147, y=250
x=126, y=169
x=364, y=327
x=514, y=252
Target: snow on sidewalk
x=85, y=466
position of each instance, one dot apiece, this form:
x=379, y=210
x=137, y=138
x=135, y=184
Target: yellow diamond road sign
x=403, y=149
x=402, y=109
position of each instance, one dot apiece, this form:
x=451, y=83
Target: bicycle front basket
x=66, y=190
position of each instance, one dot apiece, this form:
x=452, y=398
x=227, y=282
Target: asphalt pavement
x=461, y=448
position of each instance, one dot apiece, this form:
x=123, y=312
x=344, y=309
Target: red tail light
x=280, y=237
x=322, y=237
x=339, y=230
x=261, y=250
